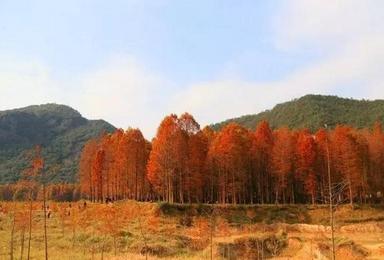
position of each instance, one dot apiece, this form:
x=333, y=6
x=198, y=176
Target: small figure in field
x=69, y=209
x=84, y=205
x=49, y=212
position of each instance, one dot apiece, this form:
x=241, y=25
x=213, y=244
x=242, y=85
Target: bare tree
x=12, y=234
x=38, y=171
x=330, y=197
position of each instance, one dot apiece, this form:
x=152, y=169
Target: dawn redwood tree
x=375, y=178
x=133, y=159
x=111, y=170
x=210, y=184
x=181, y=158
x=38, y=168
x=347, y=161
x=121, y=169
x=114, y=166
x=230, y=156
x=261, y=178
x=191, y=157
x=306, y=162
x=282, y=163
x=31, y=173
x=85, y=169
x=168, y=164
x=97, y=174
x=148, y=190
x=162, y=164
x=196, y=167
x=363, y=154
x=321, y=139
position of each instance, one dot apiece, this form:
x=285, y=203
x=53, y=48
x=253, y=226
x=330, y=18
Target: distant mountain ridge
x=60, y=130
x=313, y=111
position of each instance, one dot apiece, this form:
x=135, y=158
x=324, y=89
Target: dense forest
x=185, y=164
x=311, y=111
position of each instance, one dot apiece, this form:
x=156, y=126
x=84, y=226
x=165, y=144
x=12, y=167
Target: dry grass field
x=133, y=230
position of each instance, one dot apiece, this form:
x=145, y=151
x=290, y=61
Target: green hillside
x=313, y=111
x=60, y=130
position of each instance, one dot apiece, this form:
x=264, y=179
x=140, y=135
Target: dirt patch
x=294, y=245
x=348, y=250
x=194, y=244
x=155, y=250
x=252, y=247
x=363, y=228
x=380, y=251
x=351, y=251
x=305, y=228
x=310, y=250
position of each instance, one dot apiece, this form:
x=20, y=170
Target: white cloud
x=121, y=91
x=350, y=34
x=310, y=23
x=124, y=93
x=24, y=83
x=361, y=64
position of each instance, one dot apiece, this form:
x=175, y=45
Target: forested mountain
x=313, y=111
x=60, y=130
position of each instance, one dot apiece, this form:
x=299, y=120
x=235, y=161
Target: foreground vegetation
x=137, y=230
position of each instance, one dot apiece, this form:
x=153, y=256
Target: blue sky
x=132, y=62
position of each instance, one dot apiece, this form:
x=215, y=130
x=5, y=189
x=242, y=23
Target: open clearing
x=133, y=230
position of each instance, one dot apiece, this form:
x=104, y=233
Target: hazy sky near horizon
x=131, y=62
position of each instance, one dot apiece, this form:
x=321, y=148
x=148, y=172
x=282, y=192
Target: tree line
x=187, y=164
x=23, y=189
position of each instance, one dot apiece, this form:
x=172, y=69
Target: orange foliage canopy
x=234, y=165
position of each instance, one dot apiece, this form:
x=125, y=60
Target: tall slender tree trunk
x=260, y=189
x=313, y=198
x=136, y=170
x=277, y=197
x=330, y=200
x=225, y=187
x=22, y=243
x=45, y=218
x=181, y=195
x=30, y=225
x=350, y=192
x=233, y=188
x=211, y=234
x=12, y=235
x=211, y=189
x=251, y=188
